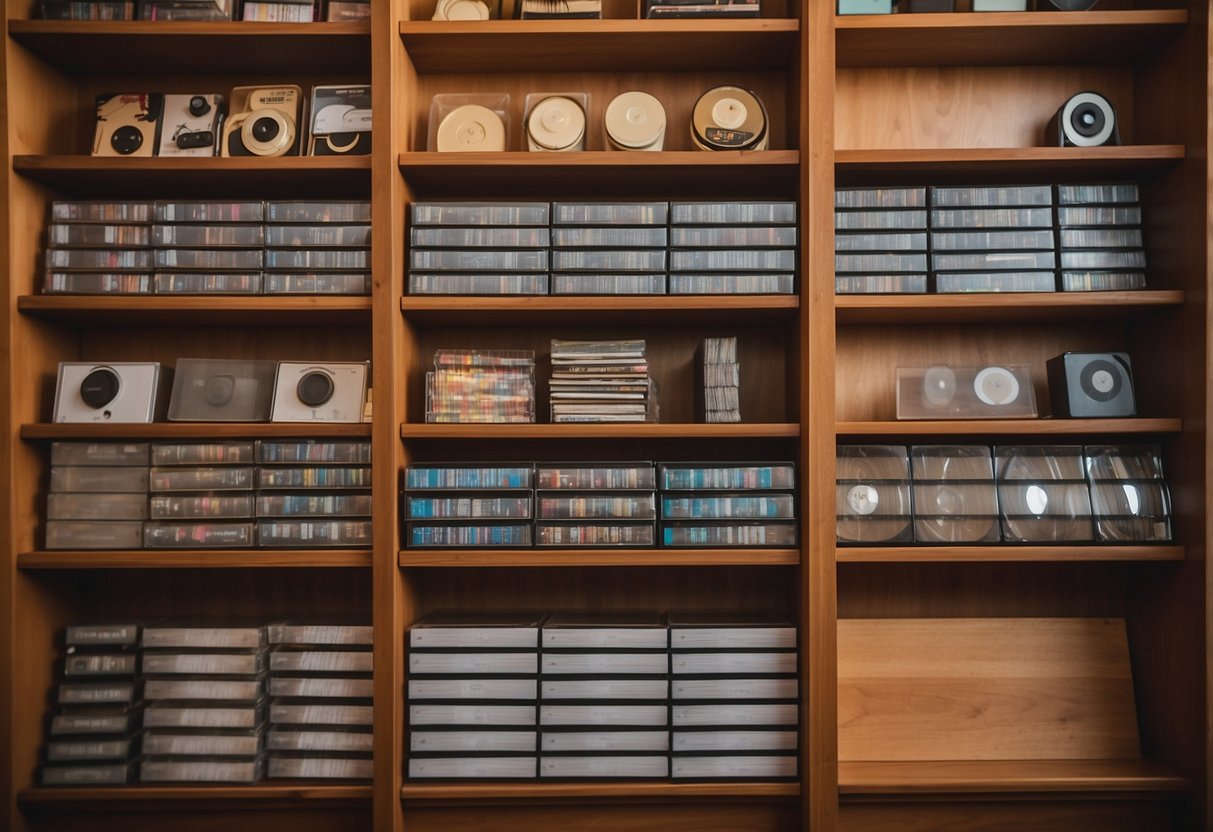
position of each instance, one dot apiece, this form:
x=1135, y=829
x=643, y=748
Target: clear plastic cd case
x=955, y=499
x=872, y=495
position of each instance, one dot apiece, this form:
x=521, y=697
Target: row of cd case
x=1014, y=494
x=543, y=214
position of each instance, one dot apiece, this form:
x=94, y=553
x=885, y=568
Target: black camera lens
x=126, y=140
x=265, y=129
x=315, y=389
x=1088, y=120
x=100, y=387
x=199, y=106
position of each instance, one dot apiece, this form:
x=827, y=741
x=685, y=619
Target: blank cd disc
x=471, y=128
x=556, y=123
x=996, y=386
x=729, y=118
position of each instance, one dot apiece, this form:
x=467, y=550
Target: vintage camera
x=341, y=121
x=191, y=125
x=1087, y=119
x=1086, y=385
x=221, y=390
x=128, y=124
x=263, y=121
x=117, y=392
x=327, y=392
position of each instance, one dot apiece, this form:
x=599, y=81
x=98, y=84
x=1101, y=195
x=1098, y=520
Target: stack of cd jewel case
x=1101, y=238
x=99, y=247
x=313, y=493
x=601, y=381
x=98, y=495
x=880, y=240
x=595, y=504
x=318, y=248
x=202, y=496
x=209, y=247
x=734, y=695
x=609, y=248
x=473, y=695
x=721, y=380
x=732, y=248
x=198, y=679
x=319, y=665
x=993, y=239
x=94, y=727
x=479, y=248
x=721, y=504
x=459, y=504
x=481, y=386
x=604, y=695
x=872, y=494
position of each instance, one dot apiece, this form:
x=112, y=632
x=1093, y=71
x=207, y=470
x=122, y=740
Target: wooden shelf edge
x=598, y=28
x=1087, y=156
x=557, y=304
x=639, y=430
x=1010, y=427
x=50, y=305
x=1003, y=20
x=539, y=557
x=531, y=790
x=600, y=158
x=1008, y=554
x=195, y=430
x=1006, y=776
x=197, y=559
x=47, y=798
x=977, y=307
x=159, y=29
x=32, y=164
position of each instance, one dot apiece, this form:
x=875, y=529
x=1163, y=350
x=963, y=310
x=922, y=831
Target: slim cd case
x=465, y=629
x=316, y=284
x=317, y=634
x=733, y=213
x=1129, y=496
x=423, y=236
x=208, y=211
x=609, y=741
x=487, y=742
x=90, y=283
x=326, y=211
x=1042, y=494
x=757, y=663
x=943, y=392
x=293, y=713
x=321, y=661
x=610, y=213
x=613, y=766
x=249, y=663
x=95, y=534
x=472, y=767
x=199, y=771
x=610, y=237
x=196, y=506
x=320, y=768
x=169, y=637
x=108, y=211
x=500, y=690
x=480, y=213
x=872, y=494
x=69, y=235
x=955, y=498
x=201, y=478
x=100, y=479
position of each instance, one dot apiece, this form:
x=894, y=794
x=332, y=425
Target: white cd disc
x=635, y=121
x=471, y=128
x=863, y=500
x=996, y=386
x=556, y=123
x=939, y=386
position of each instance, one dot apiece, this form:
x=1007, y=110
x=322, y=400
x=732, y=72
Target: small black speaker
x=1084, y=385
x=1087, y=119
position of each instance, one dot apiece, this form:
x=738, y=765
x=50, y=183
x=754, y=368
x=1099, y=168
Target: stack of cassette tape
x=601, y=381
x=98, y=495
x=732, y=248
x=609, y=248
x=473, y=696
x=99, y=247
x=872, y=494
x=202, y=496
x=481, y=386
x=721, y=380
x=94, y=727
x=318, y=248
x=459, y=504
x=880, y=240
x=479, y=248
x=1101, y=238
x=993, y=239
x=314, y=493
x=735, y=696
x=596, y=504
x=201, y=680
x=604, y=696
x=318, y=665
x=209, y=247
x=722, y=504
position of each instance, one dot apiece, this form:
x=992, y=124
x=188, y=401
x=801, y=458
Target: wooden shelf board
x=1004, y=776
x=156, y=47
x=251, y=177
x=196, y=559
x=598, y=45
x=540, y=557
x=195, y=430
x=1001, y=307
x=861, y=166
x=1009, y=427
x=219, y=310
x=1008, y=554
x=669, y=309
x=210, y=797
x=1011, y=38
x=642, y=430
x=519, y=175
x=532, y=790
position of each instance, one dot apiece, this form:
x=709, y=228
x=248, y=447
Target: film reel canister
x=729, y=118
x=471, y=128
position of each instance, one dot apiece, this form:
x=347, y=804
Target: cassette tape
x=959, y=282
x=104, y=636
x=202, y=478
x=318, y=211
x=733, y=213
x=732, y=284
x=320, y=768
x=983, y=261
x=329, y=235
x=222, y=390
x=733, y=260
x=735, y=767
x=596, y=506
x=198, y=535
x=99, y=479
x=93, y=722
x=98, y=260
x=726, y=477
x=1033, y=238
x=468, y=741
x=481, y=213
x=733, y=713
x=198, y=506
x=94, y=774
x=96, y=283
x=883, y=198
x=477, y=284
x=247, y=663
x=199, y=771
x=173, y=637
x=955, y=500
x=189, y=690
x=1101, y=238
x=1069, y=216
x=98, y=693
x=100, y=664
x=1129, y=496
x=338, y=452
x=872, y=496
x=908, y=220
x=687, y=689
x=208, y=211
x=991, y=197
x=468, y=477
x=610, y=213
x=496, y=534
x=609, y=284
x=598, y=476
x=475, y=260
x=309, y=533
x=489, y=237
x=237, y=260
x=594, y=534
x=877, y=242
x=100, y=453
x=82, y=750
x=323, y=688
x=314, y=505
x=1098, y=194
x=346, y=742
x=608, y=741
x=157, y=743
x=320, y=477
x=202, y=453
x=212, y=716
x=1102, y=281
x=943, y=392
x=81, y=235
x=332, y=392
x=227, y=235
x=741, y=506
x=597, y=689
x=78, y=534
x=316, y=284
x=463, y=716
x=187, y=283
x=608, y=714
x=291, y=713
x=962, y=219
x=96, y=507
x=480, y=506
x=321, y=661
x=101, y=211
x=610, y=237
x=883, y=263
x=506, y=767
x=1042, y=494
x=691, y=742
x=315, y=633
x=751, y=533
x=1097, y=259
x=341, y=260
x=607, y=766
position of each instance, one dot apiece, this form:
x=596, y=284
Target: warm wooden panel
x=1002, y=308
x=597, y=45
x=1011, y=816
x=615, y=816
x=920, y=777
x=196, y=559
x=967, y=107
x=281, y=310
x=1007, y=554
x=1024, y=38
x=569, y=309
x=202, y=817
x=711, y=792
x=985, y=689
